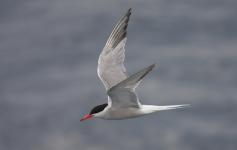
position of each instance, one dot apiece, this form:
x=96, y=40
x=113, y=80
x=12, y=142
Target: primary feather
x=111, y=68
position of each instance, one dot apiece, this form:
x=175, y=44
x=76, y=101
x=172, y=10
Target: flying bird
x=123, y=101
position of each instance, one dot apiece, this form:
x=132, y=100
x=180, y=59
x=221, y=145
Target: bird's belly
x=122, y=113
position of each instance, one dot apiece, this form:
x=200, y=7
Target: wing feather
x=123, y=94
x=111, y=68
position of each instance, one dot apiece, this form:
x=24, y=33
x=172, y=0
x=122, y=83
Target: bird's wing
x=123, y=94
x=111, y=68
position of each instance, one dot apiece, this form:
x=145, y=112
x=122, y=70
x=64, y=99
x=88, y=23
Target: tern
x=123, y=102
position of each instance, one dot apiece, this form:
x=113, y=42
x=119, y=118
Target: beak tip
x=86, y=117
x=82, y=119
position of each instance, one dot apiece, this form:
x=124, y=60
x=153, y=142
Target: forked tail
x=147, y=109
x=169, y=107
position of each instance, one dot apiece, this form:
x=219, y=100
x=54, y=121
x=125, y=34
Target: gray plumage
x=123, y=101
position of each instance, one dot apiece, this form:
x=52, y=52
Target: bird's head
x=95, y=112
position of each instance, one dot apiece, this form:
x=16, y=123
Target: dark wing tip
x=129, y=12
x=152, y=66
x=147, y=70
x=120, y=30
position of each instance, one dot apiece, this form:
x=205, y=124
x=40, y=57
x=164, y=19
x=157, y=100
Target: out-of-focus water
x=48, y=80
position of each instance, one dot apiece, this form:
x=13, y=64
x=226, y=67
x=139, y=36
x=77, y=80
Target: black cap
x=98, y=108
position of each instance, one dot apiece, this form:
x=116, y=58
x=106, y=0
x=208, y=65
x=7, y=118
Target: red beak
x=88, y=116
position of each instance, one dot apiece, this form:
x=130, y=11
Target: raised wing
x=111, y=68
x=123, y=94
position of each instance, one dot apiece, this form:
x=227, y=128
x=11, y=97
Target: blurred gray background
x=48, y=79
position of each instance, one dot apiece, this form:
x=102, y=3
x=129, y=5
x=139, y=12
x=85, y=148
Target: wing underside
x=111, y=68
